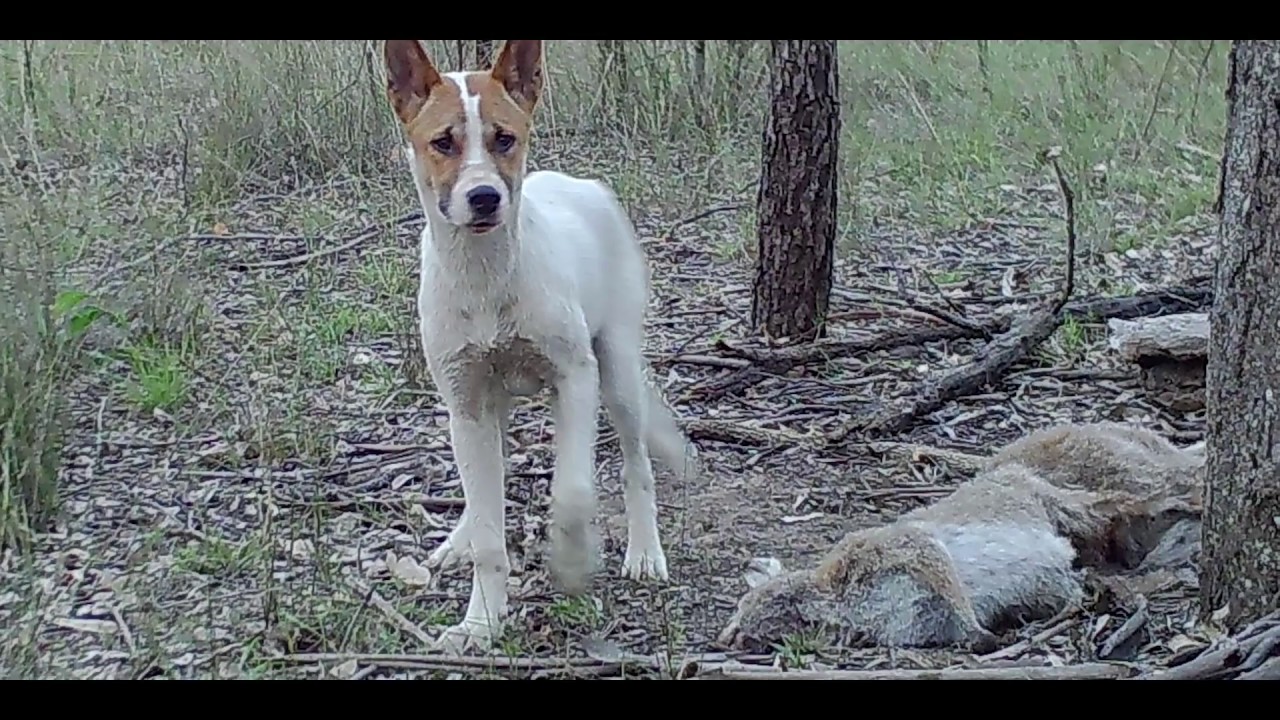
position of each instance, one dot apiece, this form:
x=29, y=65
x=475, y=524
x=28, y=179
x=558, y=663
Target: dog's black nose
x=484, y=200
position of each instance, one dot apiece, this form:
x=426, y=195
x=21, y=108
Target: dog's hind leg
x=626, y=396
x=573, y=482
x=666, y=441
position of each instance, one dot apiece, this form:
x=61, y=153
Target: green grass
x=114, y=153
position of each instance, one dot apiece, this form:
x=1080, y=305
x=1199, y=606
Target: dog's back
x=579, y=230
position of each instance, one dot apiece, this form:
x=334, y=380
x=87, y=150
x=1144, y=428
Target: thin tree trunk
x=615, y=74
x=484, y=54
x=797, y=196
x=739, y=50
x=702, y=88
x=1240, y=569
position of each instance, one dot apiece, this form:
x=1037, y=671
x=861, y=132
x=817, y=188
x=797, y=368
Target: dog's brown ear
x=519, y=70
x=410, y=77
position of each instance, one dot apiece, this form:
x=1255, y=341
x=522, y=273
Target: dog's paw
x=455, y=549
x=470, y=635
x=645, y=562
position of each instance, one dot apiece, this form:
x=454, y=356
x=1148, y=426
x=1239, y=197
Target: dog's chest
x=518, y=363
x=496, y=347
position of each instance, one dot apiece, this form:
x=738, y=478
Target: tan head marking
x=469, y=132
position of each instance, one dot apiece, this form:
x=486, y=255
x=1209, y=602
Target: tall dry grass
x=932, y=129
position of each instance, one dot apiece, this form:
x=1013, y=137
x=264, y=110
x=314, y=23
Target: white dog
x=526, y=283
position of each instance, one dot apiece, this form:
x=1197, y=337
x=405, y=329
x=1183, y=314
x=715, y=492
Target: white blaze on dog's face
x=468, y=132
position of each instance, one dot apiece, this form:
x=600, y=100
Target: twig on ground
x=1002, y=353
x=359, y=238
x=767, y=362
x=1126, y=631
x=1064, y=621
x=244, y=237
x=575, y=667
x=962, y=462
x=1269, y=670
x=735, y=432
x=1083, y=671
x=386, y=608
x=700, y=216
x=1245, y=652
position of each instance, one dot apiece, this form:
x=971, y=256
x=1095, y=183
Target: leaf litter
x=257, y=520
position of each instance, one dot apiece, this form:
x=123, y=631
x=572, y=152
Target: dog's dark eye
x=503, y=141
x=443, y=144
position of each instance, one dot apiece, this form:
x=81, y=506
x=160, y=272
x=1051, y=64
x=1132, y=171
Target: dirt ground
x=282, y=539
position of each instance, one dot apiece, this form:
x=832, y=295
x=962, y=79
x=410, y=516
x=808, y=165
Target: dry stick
x=1125, y=307
x=1269, y=670
x=1083, y=671
x=392, y=614
x=671, y=231
x=1002, y=353
x=1057, y=625
x=732, y=431
x=1130, y=628
x=1244, y=652
x=575, y=666
x=359, y=238
x=776, y=362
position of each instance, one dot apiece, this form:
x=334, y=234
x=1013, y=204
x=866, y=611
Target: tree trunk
x=484, y=54
x=797, y=195
x=1240, y=568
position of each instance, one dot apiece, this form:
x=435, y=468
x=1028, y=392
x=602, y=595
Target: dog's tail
x=667, y=441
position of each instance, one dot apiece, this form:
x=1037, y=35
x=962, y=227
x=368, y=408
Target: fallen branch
x=389, y=610
x=1084, y=671
x=1002, y=353
x=765, y=362
x=1250, y=650
x=1125, y=632
x=962, y=463
x=1059, y=624
x=771, y=362
x=736, y=432
x=359, y=238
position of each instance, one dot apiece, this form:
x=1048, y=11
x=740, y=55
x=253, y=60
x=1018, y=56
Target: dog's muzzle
x=485, y=201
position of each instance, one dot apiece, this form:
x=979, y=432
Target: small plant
x=40, y=345
x=796, y=649
x=582, y=611
x=159, y=377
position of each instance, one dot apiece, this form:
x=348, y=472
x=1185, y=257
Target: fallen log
x=1172, y=354
x=1084, y=671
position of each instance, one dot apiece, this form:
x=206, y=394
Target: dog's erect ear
x=519, y=70
x=410, y=77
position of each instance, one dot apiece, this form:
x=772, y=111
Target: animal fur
x=1004, y=549
x=528, y=281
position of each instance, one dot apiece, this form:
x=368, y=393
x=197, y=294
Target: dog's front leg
x=480, y=534
x=573, y=485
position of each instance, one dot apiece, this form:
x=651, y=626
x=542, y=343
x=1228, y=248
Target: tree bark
x=1241, y=565
x=797, y=194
